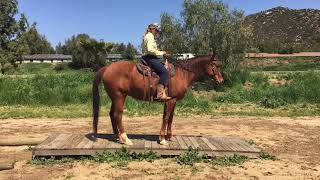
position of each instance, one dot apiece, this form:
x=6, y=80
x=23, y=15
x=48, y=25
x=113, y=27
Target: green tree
x=12, y=46
x=130, y=52
x=38, y=44
x=208, y=26
x=173, y=37
x=86, y=52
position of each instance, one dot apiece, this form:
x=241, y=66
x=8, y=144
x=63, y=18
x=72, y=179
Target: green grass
x=229, y=160
x=68, y=95
x=50, y=161
x=120, y=158
x=267, y=156
x=295, y=64
x=216, y=109
x=190, y=157
x=123, y=157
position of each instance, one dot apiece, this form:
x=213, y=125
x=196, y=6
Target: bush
x=302, y=89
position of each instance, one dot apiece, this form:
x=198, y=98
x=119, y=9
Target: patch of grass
x=124, y=156
x=50, y=161
x=195, y=169
x=190, y=157
x=229, y=160
x=251, y=142
x=267, y=156
x=69, y=176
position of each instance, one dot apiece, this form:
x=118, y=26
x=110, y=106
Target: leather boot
x=161, y=93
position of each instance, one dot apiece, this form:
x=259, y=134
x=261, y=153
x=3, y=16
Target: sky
x=121, y=21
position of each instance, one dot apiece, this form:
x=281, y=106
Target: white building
x=184, y=56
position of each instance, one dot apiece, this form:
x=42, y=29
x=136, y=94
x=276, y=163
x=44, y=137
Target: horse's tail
x=96, y=100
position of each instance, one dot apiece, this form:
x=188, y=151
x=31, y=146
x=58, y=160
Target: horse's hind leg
x=113, y=121
x=118, y=104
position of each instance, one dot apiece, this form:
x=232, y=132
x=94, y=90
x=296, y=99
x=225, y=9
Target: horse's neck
x=191, y=74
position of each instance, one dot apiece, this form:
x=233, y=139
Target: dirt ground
x=295, y=141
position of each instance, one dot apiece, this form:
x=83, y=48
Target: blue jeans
x=158, y=67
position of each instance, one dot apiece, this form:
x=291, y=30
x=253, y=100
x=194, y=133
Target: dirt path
x=295, y=141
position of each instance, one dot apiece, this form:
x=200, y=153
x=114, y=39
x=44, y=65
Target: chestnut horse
x=122, y=78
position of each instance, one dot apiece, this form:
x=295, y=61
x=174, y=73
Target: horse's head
x=214, y=69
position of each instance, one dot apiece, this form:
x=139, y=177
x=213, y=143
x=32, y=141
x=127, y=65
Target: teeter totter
x=80, y=144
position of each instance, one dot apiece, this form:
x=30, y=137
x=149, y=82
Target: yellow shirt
x=150, y=45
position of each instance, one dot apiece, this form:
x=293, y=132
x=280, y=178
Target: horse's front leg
x=169, y=127
x=167, y=116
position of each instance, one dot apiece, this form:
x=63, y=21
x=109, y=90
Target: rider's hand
x=165, y=54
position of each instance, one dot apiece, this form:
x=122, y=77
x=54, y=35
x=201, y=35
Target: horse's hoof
x=169, y=138
x=128, y=142
x=125, y=140
x=164, y=142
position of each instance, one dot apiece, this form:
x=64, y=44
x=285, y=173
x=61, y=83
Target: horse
x=122, y=79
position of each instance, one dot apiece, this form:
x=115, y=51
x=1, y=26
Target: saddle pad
x=143, y=69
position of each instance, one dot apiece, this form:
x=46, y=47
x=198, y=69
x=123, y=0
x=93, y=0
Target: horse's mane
x=194, y=64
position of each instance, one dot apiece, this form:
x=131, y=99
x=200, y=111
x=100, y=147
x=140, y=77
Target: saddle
x=146, y=70
x=148, y=73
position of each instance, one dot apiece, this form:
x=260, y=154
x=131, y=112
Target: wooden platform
x=79, y=144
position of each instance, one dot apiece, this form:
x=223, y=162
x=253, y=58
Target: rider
x=153, y=56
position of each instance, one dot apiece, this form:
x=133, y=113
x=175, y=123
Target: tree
x=173, y=37
x=130, y=52
x=86, y=52
x=208, y=26
x=12, y=47
x=37, y=43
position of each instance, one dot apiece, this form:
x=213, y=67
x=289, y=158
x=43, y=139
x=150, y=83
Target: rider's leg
x=159, y=68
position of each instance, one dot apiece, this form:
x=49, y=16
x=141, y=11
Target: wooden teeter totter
x=80, y=144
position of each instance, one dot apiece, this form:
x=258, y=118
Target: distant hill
x=280, y=29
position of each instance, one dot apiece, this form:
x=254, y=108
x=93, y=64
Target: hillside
x=281, y=26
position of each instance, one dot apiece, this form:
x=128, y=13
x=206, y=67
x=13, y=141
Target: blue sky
x=121, y=20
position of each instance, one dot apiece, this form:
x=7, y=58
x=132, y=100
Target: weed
x=267, y=156
x=124, y=156
x=190, y=157
x=229, y=160
x=69, y=176
x=251, y=142
x=50, y=161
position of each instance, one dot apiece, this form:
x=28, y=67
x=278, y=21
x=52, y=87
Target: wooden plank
x=225, y=143
x=147, y=145
x=188, y=142
x=248, y=146
x=77, y=144
x=217, y=145
x=100, y=143
x=181, y=142
x=77, y=138
x=82, y=143
x=53, y=144
x=225, y=146
x=46, y=152
x=174, y=144
x=194, y=142
x=211, y=146
x=47, y=141
x=236, y=144
x=66, y=141
x=138, y=144
x=155, y=145
x=203, y=145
